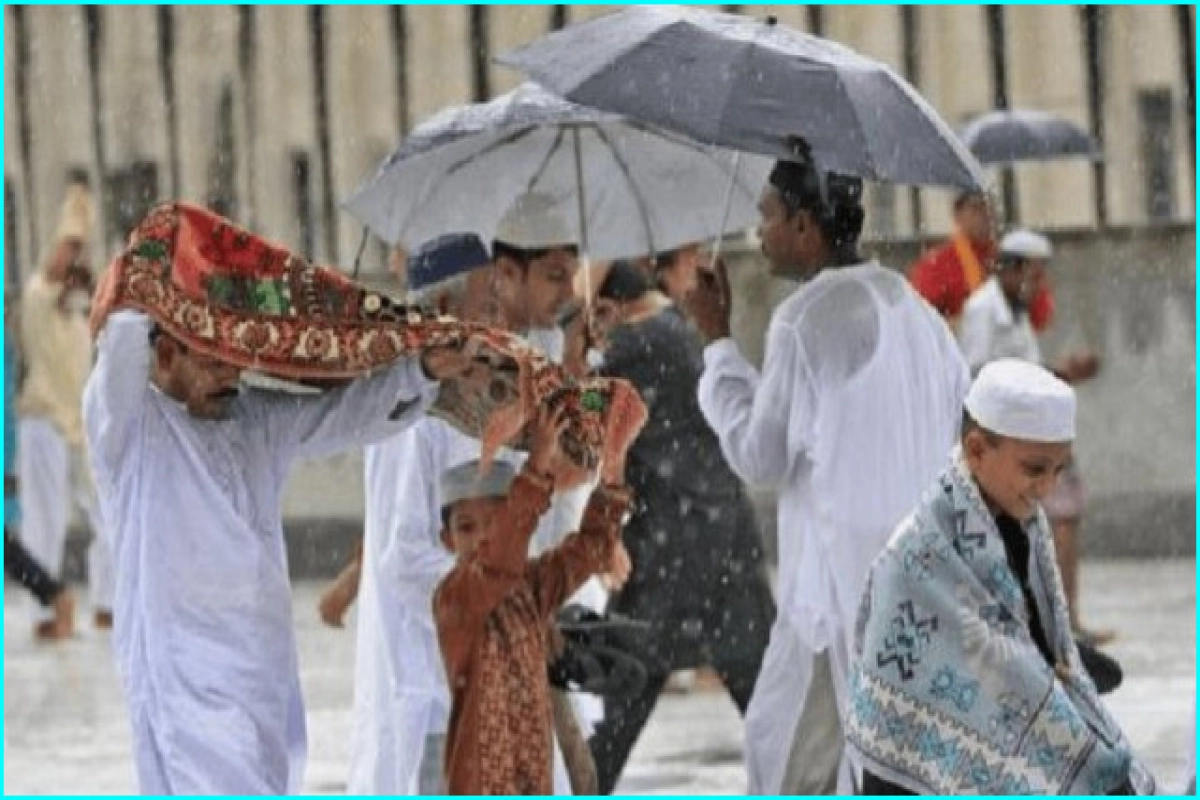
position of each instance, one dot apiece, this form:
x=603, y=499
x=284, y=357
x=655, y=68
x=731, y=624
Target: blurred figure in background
x=997, y=323
x=18, y=563
x=674, y=271
x=948, y=274
x=52, y=465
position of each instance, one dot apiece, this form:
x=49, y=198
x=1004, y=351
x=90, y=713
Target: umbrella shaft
x=726, y=207
x=582, y=203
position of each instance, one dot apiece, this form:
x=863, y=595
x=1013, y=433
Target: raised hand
x=546, y=429
x=618, y=570
x=710, y=302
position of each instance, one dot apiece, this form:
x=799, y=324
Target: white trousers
x=54, y=477
x=794, y=739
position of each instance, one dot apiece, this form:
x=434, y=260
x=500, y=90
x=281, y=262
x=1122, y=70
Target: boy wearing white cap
x=494, y=608
x=966, y=677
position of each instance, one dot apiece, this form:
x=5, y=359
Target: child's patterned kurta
x=492, y=613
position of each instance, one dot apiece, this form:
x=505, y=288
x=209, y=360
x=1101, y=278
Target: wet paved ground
x=66, y=731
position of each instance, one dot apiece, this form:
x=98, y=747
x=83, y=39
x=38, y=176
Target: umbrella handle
x=727, y=206
x=362, y=245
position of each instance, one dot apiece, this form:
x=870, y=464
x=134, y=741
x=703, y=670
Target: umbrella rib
x=512, y=138
x=515, y=136
x=560, y=132
x=633, y=188
x=707, y=151
x=696, y=146
x=863, y=131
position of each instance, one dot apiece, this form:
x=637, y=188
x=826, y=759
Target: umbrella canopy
x=736, y=82
x=631, y=190
x=1003, y=137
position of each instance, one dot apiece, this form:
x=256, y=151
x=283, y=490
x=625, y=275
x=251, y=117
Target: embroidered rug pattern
x=229, y=294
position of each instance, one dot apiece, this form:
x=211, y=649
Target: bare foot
x=1096, y=638
x=338, y=598
x=45, y=631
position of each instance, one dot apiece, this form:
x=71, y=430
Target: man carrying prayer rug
x=191, y=468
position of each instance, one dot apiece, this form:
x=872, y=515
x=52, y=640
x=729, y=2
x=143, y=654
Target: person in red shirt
x=948, y=274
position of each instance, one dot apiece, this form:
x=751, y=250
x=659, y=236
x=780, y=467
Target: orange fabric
x=972, y=271
x=492, y=612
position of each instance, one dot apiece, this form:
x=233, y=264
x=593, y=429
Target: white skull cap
x=466, y=482
x=1020, y=400
x=1026, y=244
x=535, y=222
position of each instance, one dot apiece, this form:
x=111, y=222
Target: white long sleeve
x=762, y=420
x=402, y=484
x=366, y=411
x=115, y=394
x=975, y=336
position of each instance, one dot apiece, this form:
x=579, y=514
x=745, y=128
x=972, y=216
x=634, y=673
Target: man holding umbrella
x=856, y=406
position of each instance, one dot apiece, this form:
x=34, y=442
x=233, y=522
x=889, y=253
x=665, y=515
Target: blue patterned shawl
x=949, y=693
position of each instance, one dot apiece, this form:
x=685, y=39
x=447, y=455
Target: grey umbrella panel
x=1009, y=136
x=737, y=82
x=644, y=191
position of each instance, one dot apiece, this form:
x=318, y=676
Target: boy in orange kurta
x=494, y=608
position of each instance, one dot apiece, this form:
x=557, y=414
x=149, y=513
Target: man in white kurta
x=401, y=701
x=853, y=413
x=995, y=321
x=203, y=625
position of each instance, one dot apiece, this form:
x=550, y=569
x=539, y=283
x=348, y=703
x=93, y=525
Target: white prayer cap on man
x=534, y=222
x=465, y=482
x=1021, y=400
x=1026, y=244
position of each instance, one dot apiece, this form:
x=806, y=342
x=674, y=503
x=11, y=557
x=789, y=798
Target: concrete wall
x=387, y=67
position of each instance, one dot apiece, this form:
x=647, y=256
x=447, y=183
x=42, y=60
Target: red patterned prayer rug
x=230, y=294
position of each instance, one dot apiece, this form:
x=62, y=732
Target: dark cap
x=445, y=257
